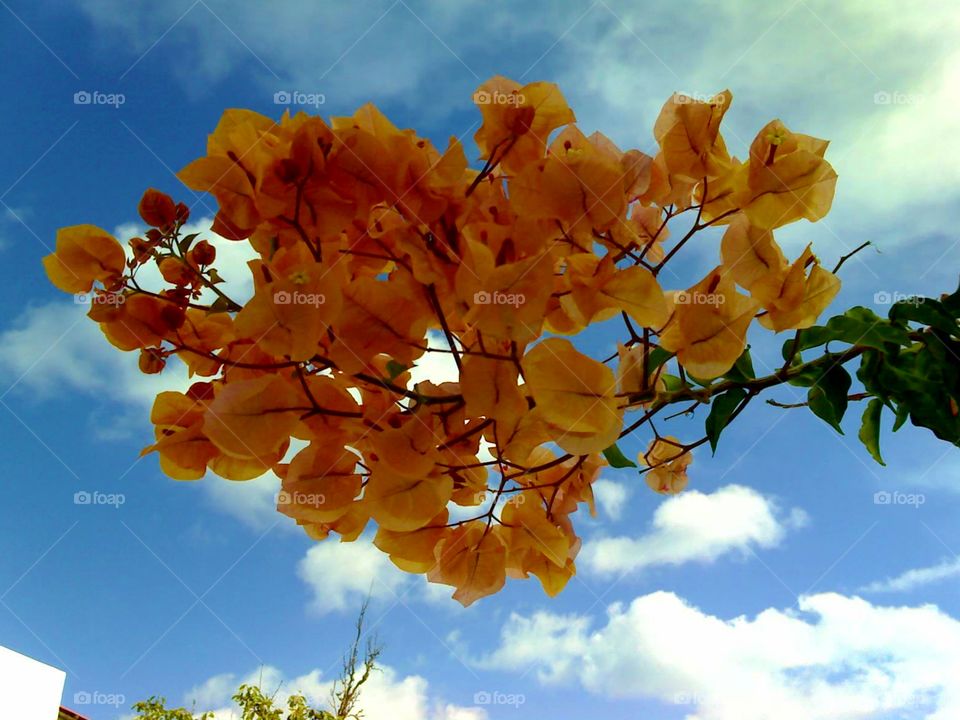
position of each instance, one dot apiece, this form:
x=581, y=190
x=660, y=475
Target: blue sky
x=776, y=582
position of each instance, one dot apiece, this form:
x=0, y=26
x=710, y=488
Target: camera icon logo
x=82, y=97
x=882, y=98
x=881, y=298
x=882, y=497
x=682, y=298
x=281, y=297
x=82, y=498
x=481, y=297
x=82, y=698
x=481, y=97
x=482, y=698
x=281, y=97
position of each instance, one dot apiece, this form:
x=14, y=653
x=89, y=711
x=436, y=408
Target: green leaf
x=871, y=365
x=187, y=241
x=698, y=381
x=742, y=370
x=221, y=304
x=657, y=357
x=808, y=377
x=721, y=408
x=672, y=382
x=870, y=429
x=616, y=458
x=925, y=311
x=857, y=326
x=395, y=369
x=828, y=398
x=787, y=349
x=903, y=413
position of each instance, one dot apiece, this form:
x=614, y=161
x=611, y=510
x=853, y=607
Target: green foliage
x=616, y=458
x=909, y=364
x=155, y=709
x=828, y=397
x=742, y=370
x=254, y=704
x=722, y=409
x=870, y=428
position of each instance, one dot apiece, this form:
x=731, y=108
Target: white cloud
x=694, y=526
x=837, y=658
x=49, y=347
x=385, y=696
x=611, y=497
x=914, y=578
x=392, y=46
x=437, y=367
x=252, y=502
x=830, y=60
x=341, y=574
x=617, y=62
x=55, y=347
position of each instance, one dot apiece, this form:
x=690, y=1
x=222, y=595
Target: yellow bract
x=520, y=118
x=254, y=418
x=787, y=178
x=688, y=131
x=574, y=394
x=319, y=485
x=708, y=327
x=83, y=255
x=668, y=462
x=406, y=503
x=792, y=296
x=414, y=551
x=403, y=320
x=289, y=316
x=473, y=560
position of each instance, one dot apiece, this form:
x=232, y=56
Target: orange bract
x=668, y=464
x=376, y=251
